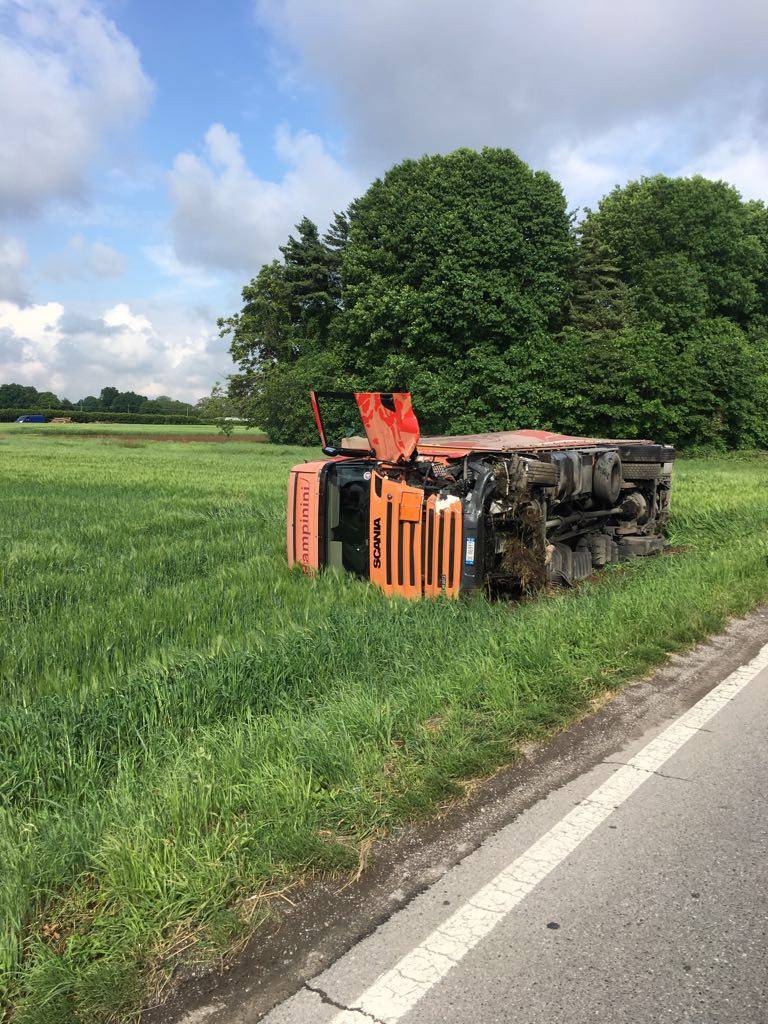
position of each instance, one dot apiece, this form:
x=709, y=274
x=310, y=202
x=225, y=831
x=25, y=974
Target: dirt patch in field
x=187, y=438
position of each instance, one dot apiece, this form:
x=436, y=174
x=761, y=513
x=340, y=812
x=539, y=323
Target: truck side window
x=347, y=506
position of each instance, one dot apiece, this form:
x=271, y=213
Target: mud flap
x=565, y=565
x=636, y=547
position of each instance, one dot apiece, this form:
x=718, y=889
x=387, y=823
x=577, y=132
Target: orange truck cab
x=504, y=512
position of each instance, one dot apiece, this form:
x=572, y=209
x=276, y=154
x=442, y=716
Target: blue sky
x=156, y=154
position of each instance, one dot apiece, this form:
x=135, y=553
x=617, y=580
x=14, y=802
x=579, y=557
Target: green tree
x=18, y=396
x=264, y=330
x=686, y=249
x=449, y=276
x=757, y=220
x=47, y=400
x=219, y=407
x=280, y=336
x=459, y=265
x=667, y=326
x=335, y=240
x=107, y=396
x=310, y=269
x=276, y=399
x=463, y=278
x=600, y=298
x=288, y=307
x=126, y=401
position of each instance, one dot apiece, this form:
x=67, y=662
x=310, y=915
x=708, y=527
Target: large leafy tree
x=23, y=396
x=685, y=248
x=456, y=275
x=17, y=396
x=670, y=288
x=757, y=225
x=449, y=276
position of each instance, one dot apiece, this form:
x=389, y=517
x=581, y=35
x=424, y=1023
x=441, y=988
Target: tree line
x=110, y=400
x=464, y=278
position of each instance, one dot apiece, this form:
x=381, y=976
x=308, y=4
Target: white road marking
x=397, y=991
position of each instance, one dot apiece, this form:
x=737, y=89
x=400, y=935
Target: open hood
x=387, y=418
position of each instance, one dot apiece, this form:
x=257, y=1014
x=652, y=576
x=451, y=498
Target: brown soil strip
x=183, y=438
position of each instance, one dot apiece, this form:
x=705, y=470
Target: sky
x=153, y=155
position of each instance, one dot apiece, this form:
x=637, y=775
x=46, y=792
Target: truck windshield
x=348, y=486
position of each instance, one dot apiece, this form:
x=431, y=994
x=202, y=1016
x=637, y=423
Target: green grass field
x=186, y=727
x=78, y=429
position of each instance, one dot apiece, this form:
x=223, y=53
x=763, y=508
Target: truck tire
x=607, y=478
x=642, y=471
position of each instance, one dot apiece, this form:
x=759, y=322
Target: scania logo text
x=377, y=543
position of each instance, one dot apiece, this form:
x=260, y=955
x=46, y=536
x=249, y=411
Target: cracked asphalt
x=658, y=915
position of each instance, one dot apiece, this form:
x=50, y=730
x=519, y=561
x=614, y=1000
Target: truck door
x=386, y=417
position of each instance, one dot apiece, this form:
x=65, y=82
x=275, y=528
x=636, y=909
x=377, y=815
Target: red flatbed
x=514, y=441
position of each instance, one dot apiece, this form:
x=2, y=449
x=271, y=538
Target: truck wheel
x=607, y=478
x=642, y=471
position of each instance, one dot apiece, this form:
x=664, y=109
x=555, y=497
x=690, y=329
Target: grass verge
x=186, y=727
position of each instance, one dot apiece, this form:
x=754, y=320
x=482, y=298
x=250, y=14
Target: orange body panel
x=303, y=533
x=415, y=546
x=395, y=537
x=393, y=433
x=443, y=546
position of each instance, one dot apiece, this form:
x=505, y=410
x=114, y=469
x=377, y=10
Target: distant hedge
x=9, y=415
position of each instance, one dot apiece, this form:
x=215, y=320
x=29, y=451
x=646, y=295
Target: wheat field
x=187, y=727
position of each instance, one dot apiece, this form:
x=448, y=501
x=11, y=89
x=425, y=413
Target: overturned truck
x=504, y=512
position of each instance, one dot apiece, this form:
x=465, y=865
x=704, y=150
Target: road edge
x=330, y=917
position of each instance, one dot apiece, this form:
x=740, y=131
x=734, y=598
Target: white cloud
x=13, y=264
x=167, y=262
x=741, y=159
x=68, y=80
x=121, y=316
x=226, y=216
x=164, y=349
x=590, y=89
x=29, y=338
x=82, y=259
x=34, y=325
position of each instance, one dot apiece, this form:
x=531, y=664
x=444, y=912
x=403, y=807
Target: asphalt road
x=656, y=911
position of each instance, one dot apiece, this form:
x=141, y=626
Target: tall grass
x=187, y=727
